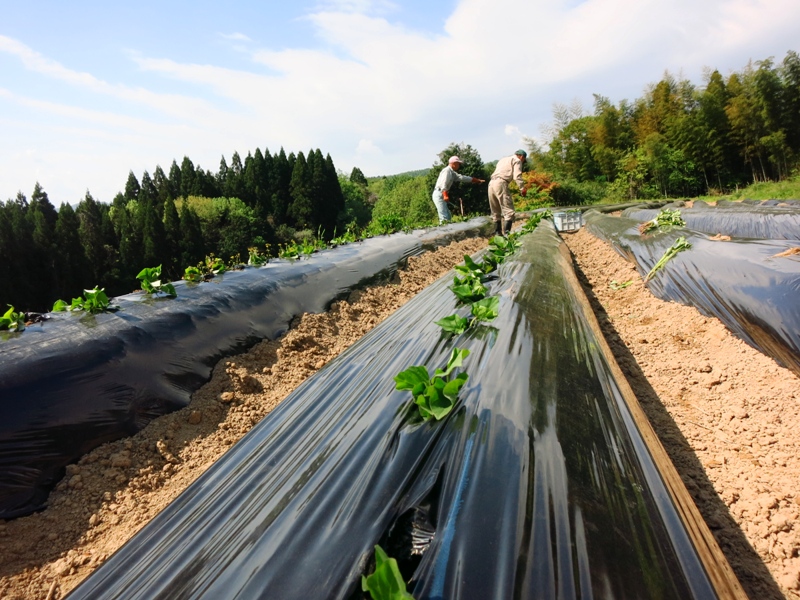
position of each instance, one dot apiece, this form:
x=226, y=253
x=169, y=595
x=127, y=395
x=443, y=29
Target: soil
x=726, y=414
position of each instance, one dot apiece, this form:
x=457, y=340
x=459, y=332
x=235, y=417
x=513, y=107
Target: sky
x=91, y=90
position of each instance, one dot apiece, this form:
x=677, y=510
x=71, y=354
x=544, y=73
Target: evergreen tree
x=132, y=187
x=112, y=276
x=40, y=198
x=126, y=225
x=71, y=262
x=187, y=177
x=234, y=183
x=222, y=175
x=266, y=185
x=192, y=245
x=256, y=183
x=148, y=191
x=42, y=217
x=91, y=236
x=301, y=208
x=175, y=181
x=172, y=242
x=153, y=237
x=333, y=198
x=8, y=272
x=16, y=241
x=356, y=176
x=281, y=196
x=162, y=185
x=205, y=184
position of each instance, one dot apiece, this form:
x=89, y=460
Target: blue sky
x=91, y=90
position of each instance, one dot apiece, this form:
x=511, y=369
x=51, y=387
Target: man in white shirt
x=500, y=203
x=441, y=191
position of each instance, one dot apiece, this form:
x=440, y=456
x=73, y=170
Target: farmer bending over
x=500, y=203
x=441, y=191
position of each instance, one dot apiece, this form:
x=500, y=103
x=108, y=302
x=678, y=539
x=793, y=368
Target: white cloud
x=379, y=95
x=235, y=37
x=367, y=148
x=357, y=6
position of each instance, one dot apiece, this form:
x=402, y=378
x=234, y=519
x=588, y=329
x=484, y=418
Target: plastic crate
x=568, y=221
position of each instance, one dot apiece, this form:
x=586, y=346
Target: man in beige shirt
x=500, y=203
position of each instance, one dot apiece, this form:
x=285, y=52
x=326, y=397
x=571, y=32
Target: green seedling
x=308, y=247
x=93, y=301
x=482, y=311
x=665, y=220
x=193, y=274
x=534, y=220
x=348, y=237
x=290, y=250
x=386, y=583
x=213, y=265
x=434, y=396
x=454, y=324
x=501, y=246
x=473, y=269
x=616, y=285
x=468, y=289
x=485, y=310
x=12, y=320
x=150, y=279
x=678, y=246
x=205, y=269
x=255, y=258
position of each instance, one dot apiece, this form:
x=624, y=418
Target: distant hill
x=416, y=173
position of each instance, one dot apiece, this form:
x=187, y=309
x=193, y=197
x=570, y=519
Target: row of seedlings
x=436, y=395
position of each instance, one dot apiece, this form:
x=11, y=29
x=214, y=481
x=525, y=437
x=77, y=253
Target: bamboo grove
x=680, y=140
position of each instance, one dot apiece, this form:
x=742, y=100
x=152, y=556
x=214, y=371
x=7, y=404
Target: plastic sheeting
x=741, y=282
x=775, y=222
x=77, y=381
x=537, y=485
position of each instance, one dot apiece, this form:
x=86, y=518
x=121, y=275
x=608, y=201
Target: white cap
x=455, y=159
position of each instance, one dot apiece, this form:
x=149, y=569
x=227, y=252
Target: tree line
x=679, y=139
x=173, y=220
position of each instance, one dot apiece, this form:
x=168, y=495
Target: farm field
x=725, y=413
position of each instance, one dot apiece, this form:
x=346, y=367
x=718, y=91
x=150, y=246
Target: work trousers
x=441, y=206
x=500, y=202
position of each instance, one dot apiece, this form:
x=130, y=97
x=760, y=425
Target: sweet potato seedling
x=12, y=321
x=665, y=220
x=483, y=310
x=678, y=246
x=93, y=301
x=434, y=396
x=386, y=582
x=468, y=289
x=150, y=280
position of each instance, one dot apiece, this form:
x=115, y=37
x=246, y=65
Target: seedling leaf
x=434, y=396
x=678, y=246
x=386, y=583
x=454, y=324
x=486, y=309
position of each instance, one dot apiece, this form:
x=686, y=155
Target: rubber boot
x=498, y=228
x=507, y=226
